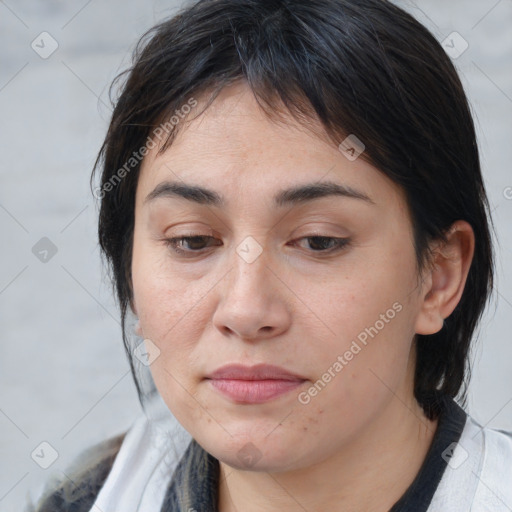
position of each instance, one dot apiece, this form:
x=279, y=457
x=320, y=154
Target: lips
x=257, y=372
x=253, y=384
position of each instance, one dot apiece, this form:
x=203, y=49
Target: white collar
x=145, y=463
x=477, y=478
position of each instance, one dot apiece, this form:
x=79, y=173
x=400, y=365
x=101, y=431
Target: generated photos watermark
x=343, y=360
x=138, y=156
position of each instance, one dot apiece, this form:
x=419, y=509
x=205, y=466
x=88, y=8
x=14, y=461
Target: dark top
x=418, y=496
x=195, y=482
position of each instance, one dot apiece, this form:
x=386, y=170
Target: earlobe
x=443, y=284
x=138, y=328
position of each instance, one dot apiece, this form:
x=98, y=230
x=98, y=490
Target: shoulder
x=478, y=475
x=495, y=475
x=84, y=479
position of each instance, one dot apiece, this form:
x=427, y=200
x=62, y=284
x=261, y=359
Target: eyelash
x=172, y=243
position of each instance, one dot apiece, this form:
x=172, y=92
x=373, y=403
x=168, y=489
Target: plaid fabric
x=78, y=492
x=193, y=487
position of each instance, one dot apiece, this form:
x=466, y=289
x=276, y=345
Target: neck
x=369, y=473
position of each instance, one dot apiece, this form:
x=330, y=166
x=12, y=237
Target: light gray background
x=63, y=374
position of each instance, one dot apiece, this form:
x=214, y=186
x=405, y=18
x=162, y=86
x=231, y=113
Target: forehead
x=234, y=147
x=235, y=125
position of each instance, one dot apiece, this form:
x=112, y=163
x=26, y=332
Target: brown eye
x=325, y=244
x=195, y=243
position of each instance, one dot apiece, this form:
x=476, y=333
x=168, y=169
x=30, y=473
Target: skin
x=291, y=306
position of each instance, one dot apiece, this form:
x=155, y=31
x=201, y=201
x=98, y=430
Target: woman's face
x=259, y=286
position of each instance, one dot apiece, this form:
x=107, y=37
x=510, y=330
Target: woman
x=293, y=211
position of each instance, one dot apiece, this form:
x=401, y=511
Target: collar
x=196, y=480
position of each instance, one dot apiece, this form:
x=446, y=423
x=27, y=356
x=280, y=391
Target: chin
x=252, y=452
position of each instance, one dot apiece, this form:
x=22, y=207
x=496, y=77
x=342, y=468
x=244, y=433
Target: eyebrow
x=286, y=197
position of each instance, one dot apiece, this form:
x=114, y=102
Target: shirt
x=468, y=468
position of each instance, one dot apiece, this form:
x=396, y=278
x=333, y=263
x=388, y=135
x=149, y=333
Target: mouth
x=253, y=384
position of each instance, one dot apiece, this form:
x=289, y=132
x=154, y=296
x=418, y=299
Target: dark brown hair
x=362, y=67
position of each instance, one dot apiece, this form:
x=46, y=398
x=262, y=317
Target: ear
x=444, y=282
x=137, y=327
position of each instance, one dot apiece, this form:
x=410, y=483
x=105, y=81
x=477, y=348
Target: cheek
x=173, y=315
x=360, y=296
x=365, y=323
x=170, y=318
x=161, y=297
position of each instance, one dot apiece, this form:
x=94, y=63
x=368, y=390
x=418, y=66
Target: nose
x=254, y=301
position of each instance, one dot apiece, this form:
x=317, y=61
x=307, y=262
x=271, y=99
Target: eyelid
x=340, y=244
x=172, y=243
